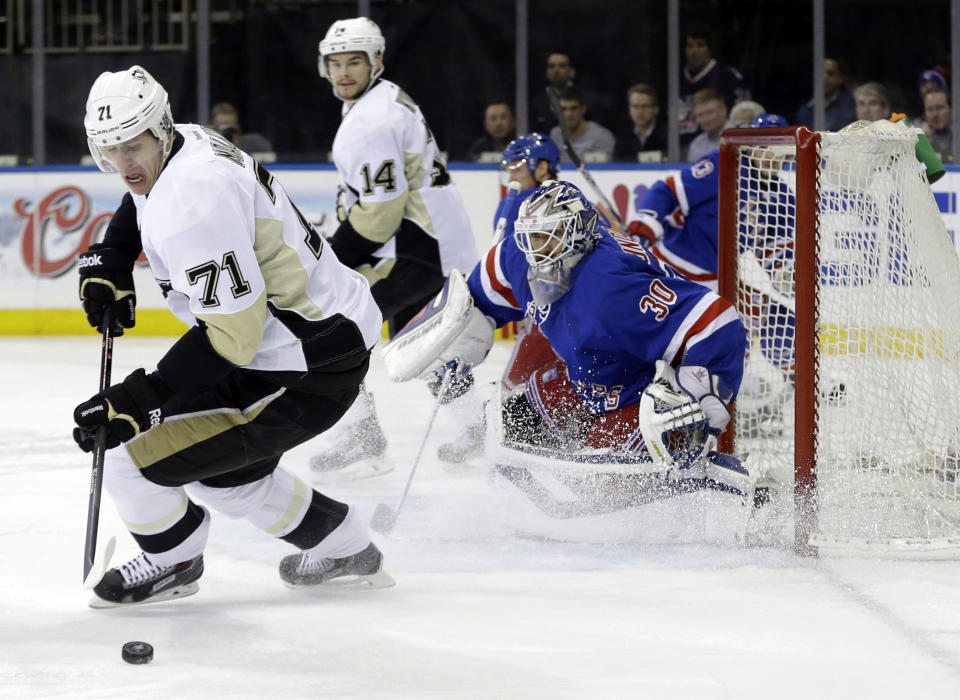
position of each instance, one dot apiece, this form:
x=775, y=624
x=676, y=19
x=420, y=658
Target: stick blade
x=95, y=570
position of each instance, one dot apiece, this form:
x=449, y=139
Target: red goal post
x=833, y=251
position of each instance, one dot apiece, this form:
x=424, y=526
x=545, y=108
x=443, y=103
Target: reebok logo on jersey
x=156, y=417
x=89, y=261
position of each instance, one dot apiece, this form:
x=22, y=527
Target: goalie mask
x=555, y=227
x=122, y=106
x=347, y=35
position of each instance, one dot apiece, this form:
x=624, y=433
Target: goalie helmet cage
x=836, y=256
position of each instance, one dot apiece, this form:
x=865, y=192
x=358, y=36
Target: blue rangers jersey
x=623, y=312
x=682, y=212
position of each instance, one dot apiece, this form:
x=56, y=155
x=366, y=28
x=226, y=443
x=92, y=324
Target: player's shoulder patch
x=702, y=168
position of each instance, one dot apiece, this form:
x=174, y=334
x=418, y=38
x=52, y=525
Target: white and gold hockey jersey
x=229, y=249
x=391, y=172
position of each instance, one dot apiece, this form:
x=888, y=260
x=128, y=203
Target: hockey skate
x=141, y=581
x=358, y=443
x=363, y=569
x=467, y=445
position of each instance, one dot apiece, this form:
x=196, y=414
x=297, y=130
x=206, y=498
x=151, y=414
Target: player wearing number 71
x=279, y=340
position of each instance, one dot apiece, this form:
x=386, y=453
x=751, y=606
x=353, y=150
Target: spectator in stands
x=560, y=73
x=647, y=134
x=873, y=102
x=700, y=71
x=500, y=128
x=744, y=112
x=590, y=140
x=225, y=119
x=938, y=122
x=930, y=79
x=841, y=109
x=710, y=111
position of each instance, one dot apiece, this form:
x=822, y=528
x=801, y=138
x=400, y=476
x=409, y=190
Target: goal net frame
x=807, y=399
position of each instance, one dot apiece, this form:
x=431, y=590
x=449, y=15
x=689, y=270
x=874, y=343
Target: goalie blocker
x=449, y=331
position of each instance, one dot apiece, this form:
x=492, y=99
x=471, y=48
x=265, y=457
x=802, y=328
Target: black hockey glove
x=106, y=280
x=459, y=383
x=126, y=409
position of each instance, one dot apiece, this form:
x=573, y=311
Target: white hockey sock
x=276, y=503
x=350, y=537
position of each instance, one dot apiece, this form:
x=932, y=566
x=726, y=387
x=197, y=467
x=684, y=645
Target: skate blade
x=183, y=591
x=352, y=472
x=380, y=579
x=472, y=466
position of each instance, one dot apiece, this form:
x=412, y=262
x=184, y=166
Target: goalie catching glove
x=450, y=329
x=106, y=281
x=125, y=409
x=681, y=412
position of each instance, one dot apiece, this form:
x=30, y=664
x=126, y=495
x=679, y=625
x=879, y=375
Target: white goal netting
x=886, y=409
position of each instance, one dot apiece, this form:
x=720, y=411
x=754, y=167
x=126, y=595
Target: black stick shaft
x=96, y=476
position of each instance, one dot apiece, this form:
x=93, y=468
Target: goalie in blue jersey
x=649, y=360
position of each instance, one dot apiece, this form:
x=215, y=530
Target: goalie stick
x=754, y=276
x=611, y=213
x=95, y=562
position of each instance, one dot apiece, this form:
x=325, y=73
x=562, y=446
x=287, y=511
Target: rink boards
x=49, y=215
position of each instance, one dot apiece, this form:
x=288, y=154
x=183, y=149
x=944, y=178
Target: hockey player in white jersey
x=279, y=340
x=403, y=222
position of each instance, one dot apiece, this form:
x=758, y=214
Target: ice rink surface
x=493, y=600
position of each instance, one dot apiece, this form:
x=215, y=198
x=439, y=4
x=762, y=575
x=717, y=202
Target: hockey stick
x=754, y=276
x=95, y=562
x=384, y=518
x=554, y=96
x=513, y=189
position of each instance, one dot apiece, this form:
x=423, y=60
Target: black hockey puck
x=137, y=653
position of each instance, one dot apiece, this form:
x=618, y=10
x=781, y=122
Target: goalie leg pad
x=449, y=328
x=726, y=473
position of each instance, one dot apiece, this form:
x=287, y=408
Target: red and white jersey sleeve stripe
x=496, y=286
x=709, y=315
